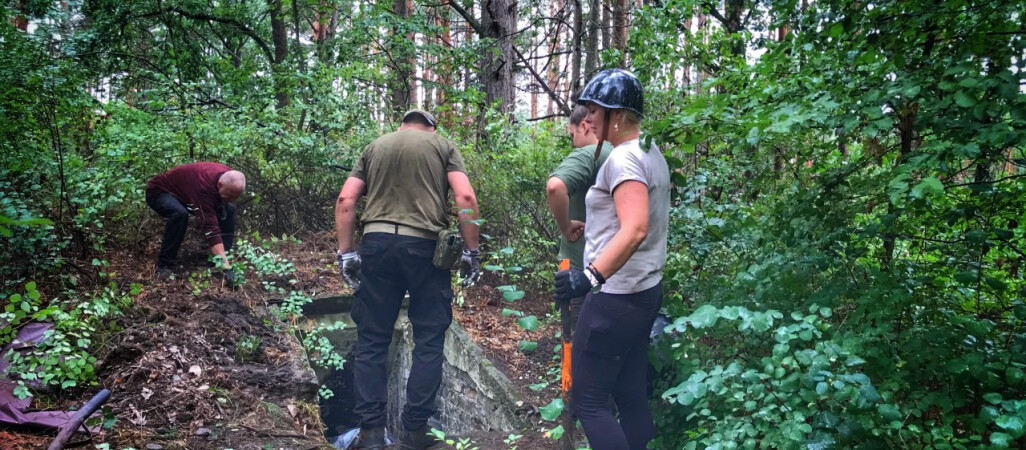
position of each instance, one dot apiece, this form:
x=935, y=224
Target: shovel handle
x=566, y=377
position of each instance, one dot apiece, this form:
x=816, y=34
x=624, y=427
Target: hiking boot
x=371, y=439
x=416, y=439
x=164, y=273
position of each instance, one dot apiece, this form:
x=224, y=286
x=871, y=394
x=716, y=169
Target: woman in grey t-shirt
x=625, y=251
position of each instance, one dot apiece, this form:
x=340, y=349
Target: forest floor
x=182, y=375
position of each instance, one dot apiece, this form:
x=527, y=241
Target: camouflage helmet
x=614, y=89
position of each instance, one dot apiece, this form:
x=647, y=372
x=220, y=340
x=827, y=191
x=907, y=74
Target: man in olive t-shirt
x=406, y=176
x=566, y=189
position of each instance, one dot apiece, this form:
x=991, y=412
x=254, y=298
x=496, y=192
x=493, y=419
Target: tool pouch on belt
x=448, y=249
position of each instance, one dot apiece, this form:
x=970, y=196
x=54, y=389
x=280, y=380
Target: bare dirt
x=196, y=365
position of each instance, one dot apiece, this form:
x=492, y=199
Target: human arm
x=558, y=196
x=631, y=201
x=466, y=201
x=218, y=251
x=345, y=212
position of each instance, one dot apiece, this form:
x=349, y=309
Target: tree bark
x=555, y=10
x=499, y=21
x=401, y=86
x=576, y=46
x=619, y=38
x=591, y=45
x=280, y=38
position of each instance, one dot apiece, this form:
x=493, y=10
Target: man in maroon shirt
x=202, y=189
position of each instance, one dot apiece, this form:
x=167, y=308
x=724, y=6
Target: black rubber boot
x=371, y=439
x=416, y=439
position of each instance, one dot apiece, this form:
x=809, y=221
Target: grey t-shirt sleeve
x=577, y=170
x=628, y=167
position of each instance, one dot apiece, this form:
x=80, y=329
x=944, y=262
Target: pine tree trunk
x=401, y=86
x=576, y=47
x=591, y=45
x=619, y=38
x=280, y=38
x=499, y=20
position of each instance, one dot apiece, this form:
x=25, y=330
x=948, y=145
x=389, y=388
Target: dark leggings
x=610, y=357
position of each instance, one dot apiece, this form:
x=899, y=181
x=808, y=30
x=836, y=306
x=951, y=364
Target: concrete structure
x=474, y=395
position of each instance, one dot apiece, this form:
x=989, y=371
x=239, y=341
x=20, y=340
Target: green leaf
x=964, y=100
x=552, y=410
x=1001, y=439
x=929, y=187
x=529, y=323
x=704, y=316
x=993, y=398
x=967, y=277
x=506, y=312
x=1013, y=424
x=836, y=30
x=512, y=296
x=557, y=432
x=527, y=346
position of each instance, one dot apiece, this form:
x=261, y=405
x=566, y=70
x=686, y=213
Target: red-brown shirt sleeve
x=195, y=185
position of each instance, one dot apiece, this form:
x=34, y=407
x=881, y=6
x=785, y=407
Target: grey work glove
x=470, y=266
x=349, y=266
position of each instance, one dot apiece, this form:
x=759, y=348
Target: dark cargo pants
x=392, y=265
x=176, y=223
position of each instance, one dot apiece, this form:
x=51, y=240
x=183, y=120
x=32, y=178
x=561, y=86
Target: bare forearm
x=345, y=223
x=559, y=203
x=468, y=217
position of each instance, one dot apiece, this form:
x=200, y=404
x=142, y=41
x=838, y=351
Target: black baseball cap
x=426, y=115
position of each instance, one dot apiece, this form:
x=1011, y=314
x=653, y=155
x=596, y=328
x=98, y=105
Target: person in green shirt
x=566, y=189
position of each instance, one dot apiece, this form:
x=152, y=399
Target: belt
x=395, y=228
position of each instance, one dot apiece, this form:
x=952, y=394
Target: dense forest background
x=847, y=233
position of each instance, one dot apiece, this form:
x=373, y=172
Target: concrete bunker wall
x=474, y=395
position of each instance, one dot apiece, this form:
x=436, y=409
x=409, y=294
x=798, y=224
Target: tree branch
x=224, y=21
x=481, y=33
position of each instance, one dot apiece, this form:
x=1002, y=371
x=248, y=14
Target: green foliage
x=64, y=357
x=850, y=166
x=509, y=179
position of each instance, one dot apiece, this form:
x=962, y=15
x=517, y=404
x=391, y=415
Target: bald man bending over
x=203, y=189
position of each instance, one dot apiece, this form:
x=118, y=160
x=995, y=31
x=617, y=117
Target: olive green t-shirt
x=578, y=171
x=407, y=179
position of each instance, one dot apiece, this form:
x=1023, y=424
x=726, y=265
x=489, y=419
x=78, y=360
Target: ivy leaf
x=527, y=346
x=552, y=410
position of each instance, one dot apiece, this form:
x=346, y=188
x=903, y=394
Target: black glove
x=470, y=266
x=573, y=283
x=229, y=279
x=349, y=266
